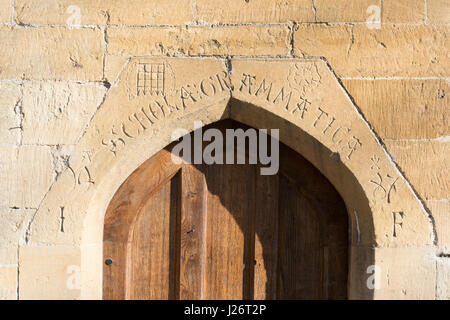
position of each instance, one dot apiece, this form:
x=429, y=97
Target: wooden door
x=225, y=232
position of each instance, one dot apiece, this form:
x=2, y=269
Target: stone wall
x=60, y=59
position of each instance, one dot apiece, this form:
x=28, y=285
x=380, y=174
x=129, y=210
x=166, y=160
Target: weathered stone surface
x=440, y=209
x=223, y=40
x=404, y=109
x=394, y=273
x=10, y=131
x=10, y=96
x=91, y=282
x=8, y=160
x=14, y=223
x=5, y=11
x=57, y=112
x=8, y=254
x=345, y=10
x=117, y=12
x=8, y=283
x=438, y=11
x=402, y=11
x=30, y=177
x=60, y=276
x=443, y=279
x=10, y=113
x=113, y=67
x=393, y=50
x=237, y=11
x=425, y=164
x=51, y=53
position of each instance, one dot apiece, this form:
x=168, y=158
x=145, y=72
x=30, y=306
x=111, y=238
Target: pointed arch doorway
x=184, y=231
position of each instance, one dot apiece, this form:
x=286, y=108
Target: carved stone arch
x=154, y=96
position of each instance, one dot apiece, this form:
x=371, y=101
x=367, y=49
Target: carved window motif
x=150, y=79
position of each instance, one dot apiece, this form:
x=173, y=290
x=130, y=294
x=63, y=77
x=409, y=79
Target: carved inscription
x=62, y=218
x=150, y=78
x=398, y=222
x=304, y=78
x=375, y=163
x=298, y=105
x=160, y=106
x=82, y=176
x=384, y=185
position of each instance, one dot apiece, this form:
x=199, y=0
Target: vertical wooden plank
x=114, y=272
x=337, y=245
x=193, y=232
x=249, y=216
x=327, y=208
x=175, y=236
x=266, y=232
x=300, y=246
x=229, y=202
x=151, y=270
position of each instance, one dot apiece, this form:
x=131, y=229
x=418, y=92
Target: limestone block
x=402, y=11
x=393, y=50
x=8, y=159
x=438, y=11
x=49, y=272
x=393, y=273
x=8, y=283
x=13, y=225
x=51, y=53
x=91, y=281
x=5, y=11
x=10, y=113
x=425, y=164
x=9, y=254
x=57, y=112
x=113, y=66
x=10, y=96
x=117, y=12
x=10, y=130
x=31, y=176
x=443, y=279
x=237, y=11
x=223, y=40
x=404, y=109
x=344, y=10
x=440, y=209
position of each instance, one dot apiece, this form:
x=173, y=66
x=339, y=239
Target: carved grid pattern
x=150, y=78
